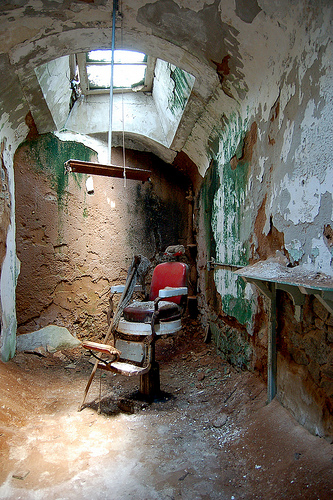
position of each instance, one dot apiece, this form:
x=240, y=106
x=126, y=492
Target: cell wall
x=73, y=246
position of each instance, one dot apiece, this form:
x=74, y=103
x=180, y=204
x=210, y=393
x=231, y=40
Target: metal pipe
x=115, y=7
x=271, y=353
x=230, y=267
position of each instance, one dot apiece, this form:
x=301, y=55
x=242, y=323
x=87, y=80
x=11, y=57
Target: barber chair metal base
x=142, y=323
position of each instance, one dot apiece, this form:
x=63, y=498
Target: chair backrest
x=172, y=274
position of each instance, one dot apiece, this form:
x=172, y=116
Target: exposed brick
x=296, y=339
x=314, y=371
x=327, y=384
x=315, y=346
x=329, y=320
x=327, y=371
x=319, y=323
x=330, y=333
x=299, y=356
x=320, y=310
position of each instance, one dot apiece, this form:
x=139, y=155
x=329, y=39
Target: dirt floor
x=211, y=434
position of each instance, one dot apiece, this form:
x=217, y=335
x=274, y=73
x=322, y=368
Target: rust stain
x=222, y=68
x=267, y=245
x=30, y=122
x=233, y=162
x=271, y=141
x=249, y=142
x=328, y=235
x=275, y=111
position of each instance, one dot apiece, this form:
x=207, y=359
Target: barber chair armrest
x=121, y=288
x=102, y=348
x=172, y=292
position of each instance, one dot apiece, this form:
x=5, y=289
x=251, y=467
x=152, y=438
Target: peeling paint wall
x=172, y=88
x=274, y=166
x=55, y=81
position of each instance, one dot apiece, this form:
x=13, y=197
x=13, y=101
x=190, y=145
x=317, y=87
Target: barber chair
x=132, y=350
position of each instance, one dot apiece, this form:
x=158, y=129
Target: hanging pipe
x=122, y=104
x=115, y=7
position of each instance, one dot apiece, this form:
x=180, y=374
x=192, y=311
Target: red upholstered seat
x=167, y=274
x=141, y=312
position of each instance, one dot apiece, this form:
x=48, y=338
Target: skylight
x=129, y=71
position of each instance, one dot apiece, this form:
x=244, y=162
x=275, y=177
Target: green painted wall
x=228, y=223
x=182, y=88
x=48, y=154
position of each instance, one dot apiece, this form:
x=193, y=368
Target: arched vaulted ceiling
x=237, y=51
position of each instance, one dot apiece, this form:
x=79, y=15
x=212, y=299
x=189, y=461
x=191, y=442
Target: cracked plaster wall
x=74, y=246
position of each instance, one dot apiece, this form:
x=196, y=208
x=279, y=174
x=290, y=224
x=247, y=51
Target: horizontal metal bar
x=228, y=267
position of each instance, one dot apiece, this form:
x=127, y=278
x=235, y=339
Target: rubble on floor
x=210, y=435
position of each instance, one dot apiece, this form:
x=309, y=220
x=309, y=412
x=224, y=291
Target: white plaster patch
x=309, y=119
x=320, y=257
x=249, y=291
x=98, y=146
x=287, y=140
x=287, y=93
x=111, y=203
x=261, y=161
x=249, y=185
x=304, y=201
x=50, y=197
x=18, y=453
x=295, y=250
x=226, y=282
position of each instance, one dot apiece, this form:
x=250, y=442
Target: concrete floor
x=211, y=435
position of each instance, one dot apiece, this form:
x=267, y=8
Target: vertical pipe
x=271, y=361
x=115, y=5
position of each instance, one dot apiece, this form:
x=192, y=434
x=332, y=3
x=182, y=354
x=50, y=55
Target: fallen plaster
x=52, y=336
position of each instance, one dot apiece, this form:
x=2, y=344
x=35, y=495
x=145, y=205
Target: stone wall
x=305, y=363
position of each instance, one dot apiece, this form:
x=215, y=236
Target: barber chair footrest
x=123, y=368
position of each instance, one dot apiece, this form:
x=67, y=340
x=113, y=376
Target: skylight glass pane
x=120, y=56
x=123, y=76
x=99, y=56
x=99, y=76
x=128, y=57
x=126, y=76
